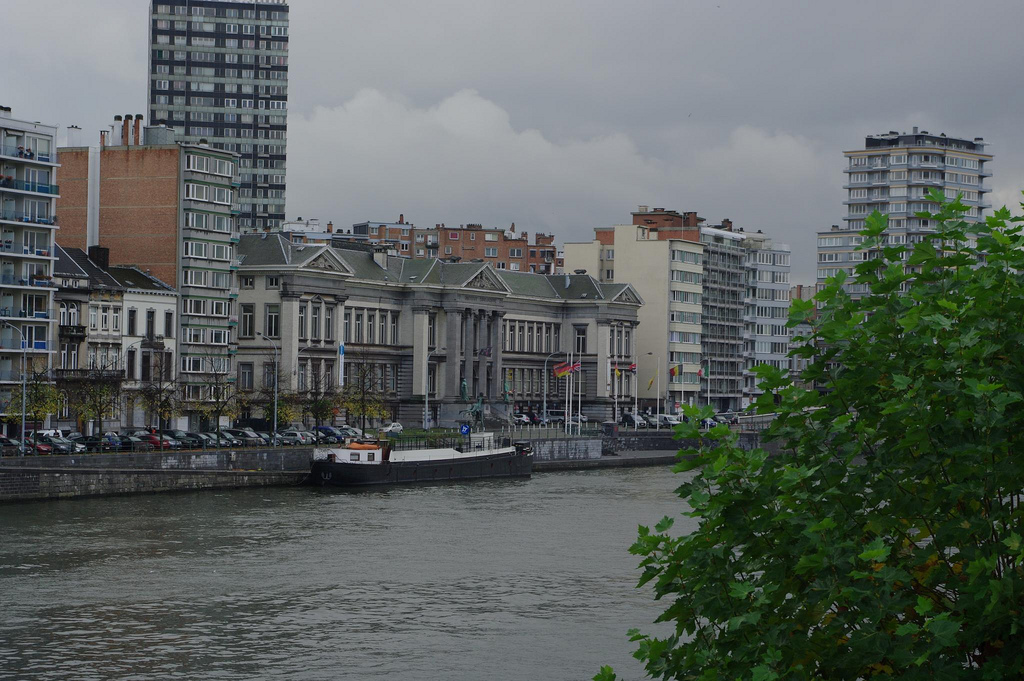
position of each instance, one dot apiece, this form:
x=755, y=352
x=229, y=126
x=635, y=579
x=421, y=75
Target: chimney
x=641, y=209
x=103, y=138
x=126, y=126
x=330, y=227
x=727, y=224
x=380, y=256
x=401, y=218
x=73, y=132
x=5, y=112
x=100, y=256
x=915, y=129
x=579, y=271
x=137, y=132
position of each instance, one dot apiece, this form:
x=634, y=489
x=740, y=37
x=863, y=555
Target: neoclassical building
x=454, y=330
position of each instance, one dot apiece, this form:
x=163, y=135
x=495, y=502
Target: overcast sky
x=564, y=116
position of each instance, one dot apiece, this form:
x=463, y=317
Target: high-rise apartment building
x=218, y=72
x=28, y=223
x=169, y=208
x=892, y=174
x=765, y=310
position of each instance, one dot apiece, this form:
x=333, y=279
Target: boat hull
x=344, y=474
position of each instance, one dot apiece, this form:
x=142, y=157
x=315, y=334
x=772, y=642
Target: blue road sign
x=464, y=429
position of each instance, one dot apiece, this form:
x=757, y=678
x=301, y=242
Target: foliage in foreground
x=888, y=540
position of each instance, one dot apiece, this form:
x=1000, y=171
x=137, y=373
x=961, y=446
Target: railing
x=13, y=280
x=20, y=152
x=10, y=375
x=69, y=330
x=16, y=344
x=10, y=246
x=20, y=313
x=19, y=216
x=22, y=185
x=89, y=374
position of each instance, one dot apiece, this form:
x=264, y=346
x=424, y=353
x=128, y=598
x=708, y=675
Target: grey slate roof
x=275, y=249
x=134, y=278
x=77, y=262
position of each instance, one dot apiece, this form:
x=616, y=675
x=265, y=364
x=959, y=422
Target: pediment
x=327, y=262
x=628, y=295
x=486, y=280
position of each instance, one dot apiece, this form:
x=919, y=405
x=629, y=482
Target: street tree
x=885, y=536
x=42, y=399
x=363, y=394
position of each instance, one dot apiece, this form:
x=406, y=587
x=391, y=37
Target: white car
x=392, y=428
x=521, y=419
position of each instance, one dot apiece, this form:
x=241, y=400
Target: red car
x=157, y=443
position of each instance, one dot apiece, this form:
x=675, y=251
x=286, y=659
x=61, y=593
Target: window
x=329, y=323
x=273, y=282
x=246, y=281
x=115, y=319
x=272, y=321
x=490, y=252
x=302, y=321
x=105, y=317
x=581, y=340
x=151, y=323
x=245, y=375
x=169, y=324
x=248, y=321
x=92, y=317
x=394, y=328
x=515, y=252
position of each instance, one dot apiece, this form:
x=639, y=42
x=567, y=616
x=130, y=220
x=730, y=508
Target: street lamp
x=615, y=374
x=544, y=408
x=24, y=367
x=657, y=372
x=426, y=387
x=277, y=352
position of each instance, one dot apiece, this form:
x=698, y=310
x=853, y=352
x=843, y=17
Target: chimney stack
x=137, y=132
x=401, y=218
x=126, y=127
x=100, y=256
x=380, y=256
x=330, y=227
x=727, y=224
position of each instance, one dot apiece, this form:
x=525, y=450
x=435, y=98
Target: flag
x=674, y=371
x=485, y=352
x=617, y=372
x=341, y=364
x=700, y=372
x=562, y=369
x=650, y=383
x=632, y=367
x=576, y=366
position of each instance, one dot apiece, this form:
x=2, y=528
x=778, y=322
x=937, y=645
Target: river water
x=526, y=579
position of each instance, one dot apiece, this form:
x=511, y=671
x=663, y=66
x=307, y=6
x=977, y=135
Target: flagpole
x=657, y=417
x=636, y=391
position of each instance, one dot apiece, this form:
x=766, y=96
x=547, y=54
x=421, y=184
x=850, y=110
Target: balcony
x=19, y=152
x=13, y=280
x=18, y=248
x=89, y=374
x=18, y=216
x=8, y=312
x=23, y=186
x=16, y=344
x=71, y=331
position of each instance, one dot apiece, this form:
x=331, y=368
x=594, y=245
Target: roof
x=76, y=263
x=275, y=250
x=133, y=278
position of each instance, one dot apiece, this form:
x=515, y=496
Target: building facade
x=765, y=310
x=28, y=224
x=665, y=266
x=893, y=174
x=433, y=336
x=218, y=72
x=169, y=209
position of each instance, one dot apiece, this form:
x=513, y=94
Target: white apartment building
x=892, y=174
x=28, y=193
x=665, y=264
x=765, y=310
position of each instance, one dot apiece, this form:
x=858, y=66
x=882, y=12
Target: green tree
x=42, y=399
x=885, y=538
x=320, y=400
x=363, y=394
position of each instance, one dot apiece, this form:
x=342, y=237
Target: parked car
x=59, y=445
x=351, y=431
x=244, y=436
x=393, y=428
x=666, y=420
x=130, y=443
x=98, y=444
x=310, y=436
x=554, y=417
x=297, y=435
x=336, y=433
x=152, y=440
x=521, y=419
x=708, y=423
x=728, y=417
x=632, y=420
x=10, y=446
x=34, y=447
x=188, y=440
x=283, y=440
x=224, y=439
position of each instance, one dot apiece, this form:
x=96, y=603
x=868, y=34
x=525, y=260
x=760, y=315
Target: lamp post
x=277, y=352
x=544, y=407
x=619, y=341
x=24, y=367
x=657, y=372
x=426, y=387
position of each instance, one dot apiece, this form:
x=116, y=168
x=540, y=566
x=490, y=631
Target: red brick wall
x=74, y=197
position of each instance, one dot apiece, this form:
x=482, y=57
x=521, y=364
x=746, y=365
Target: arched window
x=63, y=314
x=73, y=314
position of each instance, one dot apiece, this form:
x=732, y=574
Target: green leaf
x=876, y=552
x=943, y=630
x=907, y=628
x=763, y=673
x=664, y=524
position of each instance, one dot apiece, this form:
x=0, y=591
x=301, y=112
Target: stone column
x=452, y=323
x=469, y=353
x=420, y=320
x=497, y=376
